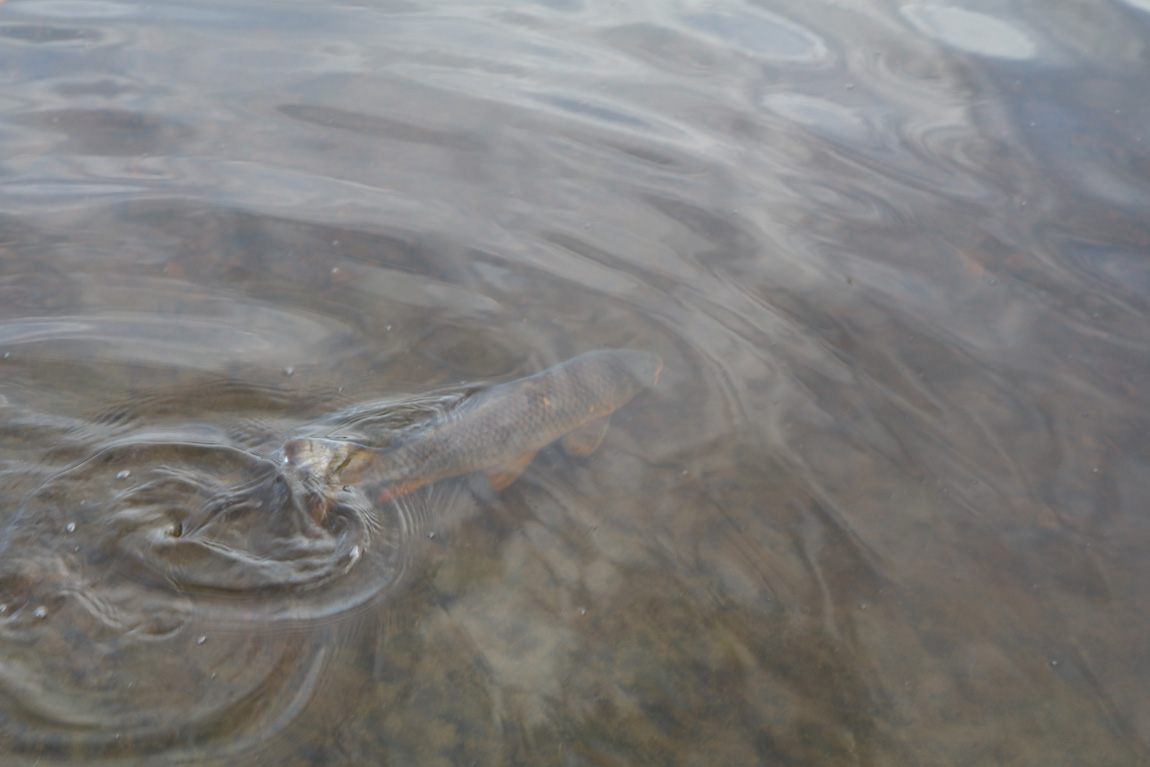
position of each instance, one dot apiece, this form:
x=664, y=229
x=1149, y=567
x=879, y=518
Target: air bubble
x=40, y=612
x=124, y=474
x=70, y=527
x=201, y=639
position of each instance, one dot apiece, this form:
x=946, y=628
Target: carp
x=497, y=431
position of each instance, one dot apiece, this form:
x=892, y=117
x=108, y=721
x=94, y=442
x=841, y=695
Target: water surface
x=884, y=506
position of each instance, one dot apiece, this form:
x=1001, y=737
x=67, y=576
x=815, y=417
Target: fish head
x=322, y=459
x=634, y=371
x=316, y=466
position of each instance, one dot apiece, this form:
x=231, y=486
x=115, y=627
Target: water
x=883, y=507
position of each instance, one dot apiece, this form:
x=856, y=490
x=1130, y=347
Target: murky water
x=885, y=505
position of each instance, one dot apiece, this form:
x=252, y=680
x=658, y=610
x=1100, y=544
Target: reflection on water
x=882, y=508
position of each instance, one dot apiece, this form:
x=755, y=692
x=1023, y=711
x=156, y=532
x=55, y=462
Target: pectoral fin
x=502, y=477
x=584, y=440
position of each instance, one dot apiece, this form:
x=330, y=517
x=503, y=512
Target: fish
x=497, y=431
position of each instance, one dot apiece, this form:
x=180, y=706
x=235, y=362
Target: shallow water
x=883, y=507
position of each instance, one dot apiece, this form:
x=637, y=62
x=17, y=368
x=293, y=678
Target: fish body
x=497, y=431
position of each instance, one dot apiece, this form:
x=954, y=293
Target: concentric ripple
x=156, y=566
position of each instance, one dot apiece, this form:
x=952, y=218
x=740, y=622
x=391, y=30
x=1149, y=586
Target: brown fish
x=498, y=431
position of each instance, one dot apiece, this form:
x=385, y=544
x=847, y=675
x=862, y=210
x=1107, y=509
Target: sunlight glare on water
x=884, y=505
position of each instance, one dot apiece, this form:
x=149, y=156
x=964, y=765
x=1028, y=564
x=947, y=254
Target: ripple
x=110, y=132
x=95, y=636
x=971, y=31
x=383, y=127
x=895, y=276
x=157, y=564
x=935, y=152
x=83, y=9
x=763, y=34
x=44, y=34
x=178, y=342
x=668, y=49
x=596, y=111
x=823, y=117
